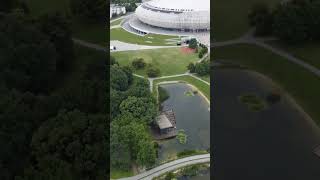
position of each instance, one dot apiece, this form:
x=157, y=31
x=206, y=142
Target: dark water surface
x=192, y=115
x=272, y=144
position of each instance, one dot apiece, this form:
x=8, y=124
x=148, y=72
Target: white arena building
x=181, y=15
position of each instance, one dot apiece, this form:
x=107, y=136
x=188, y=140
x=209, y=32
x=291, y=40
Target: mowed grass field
x=310, y=53
x=170, y=61
x=301, y=84
x=229, y=17
x=91, y=32
x=150, y=39
x=201, y=86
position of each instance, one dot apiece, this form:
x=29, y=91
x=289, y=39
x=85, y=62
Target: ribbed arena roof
x=193, y=5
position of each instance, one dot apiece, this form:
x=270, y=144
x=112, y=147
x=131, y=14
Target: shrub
x=261, y=17
x=202, y=68
x=138, y=63
x=193, y=43
x=153, y=71
x=170, y=176
x=200, y=54
x=191, y=67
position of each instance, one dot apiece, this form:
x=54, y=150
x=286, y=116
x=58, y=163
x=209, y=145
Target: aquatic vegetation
x=182, y=137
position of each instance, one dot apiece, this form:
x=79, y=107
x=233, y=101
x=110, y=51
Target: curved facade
x=176, y=14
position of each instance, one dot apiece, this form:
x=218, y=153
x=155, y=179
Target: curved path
x=172, y=76
x=89, y=45
x=171, y=166
x=248, y=38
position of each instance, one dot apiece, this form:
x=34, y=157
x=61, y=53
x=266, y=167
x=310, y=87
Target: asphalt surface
x=173, y=165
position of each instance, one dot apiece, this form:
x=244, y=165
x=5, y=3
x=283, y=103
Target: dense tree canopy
x=133, y=108
x=131, y=137
x=295, y=21
x=9, y=5
x=93, y=10
x=260, y=16
x=119, y=79
x=71, y=139
x=28, y=58
x=57, y=28
x=143, y=109
x=49, y=129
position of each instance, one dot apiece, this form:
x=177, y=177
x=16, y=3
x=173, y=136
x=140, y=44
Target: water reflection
x=192, y=115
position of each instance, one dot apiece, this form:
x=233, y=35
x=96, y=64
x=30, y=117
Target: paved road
x=122, y=46
x=89, y=45
x=170, y=166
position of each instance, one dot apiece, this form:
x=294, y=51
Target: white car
x=112, y=48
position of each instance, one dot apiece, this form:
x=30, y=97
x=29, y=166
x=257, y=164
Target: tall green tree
x=119, y=79
x=75, y=140
x=143, y=109
x=94, y=10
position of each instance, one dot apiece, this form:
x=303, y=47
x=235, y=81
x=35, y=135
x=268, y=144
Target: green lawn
x=150, y=39
x=306, y=52
x=229, y=17
x=94, y=33
x=204, y=88
x=298, y=82
x=116, y=174
x=116, y=22
x=170, y=61
x=206, y=78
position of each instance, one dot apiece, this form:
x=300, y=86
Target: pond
x=274, y=143
x=192, y=115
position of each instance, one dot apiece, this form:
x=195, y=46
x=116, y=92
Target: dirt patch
x=186, y=50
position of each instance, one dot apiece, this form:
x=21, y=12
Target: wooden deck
x=173, y=133
x=171, y=117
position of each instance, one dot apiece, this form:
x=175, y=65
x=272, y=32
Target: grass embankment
x=91, y=32
x=230, y=17
x=188, y=153
x=163, y=94
x=117, y=174
x=170, y=61
x=150, y=39
x=306, y=52
x=187, y=171
x=205, y=78
x=301, y=84
x=201, y=86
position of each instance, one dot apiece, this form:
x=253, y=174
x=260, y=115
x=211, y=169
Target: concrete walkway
x=171, y=166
